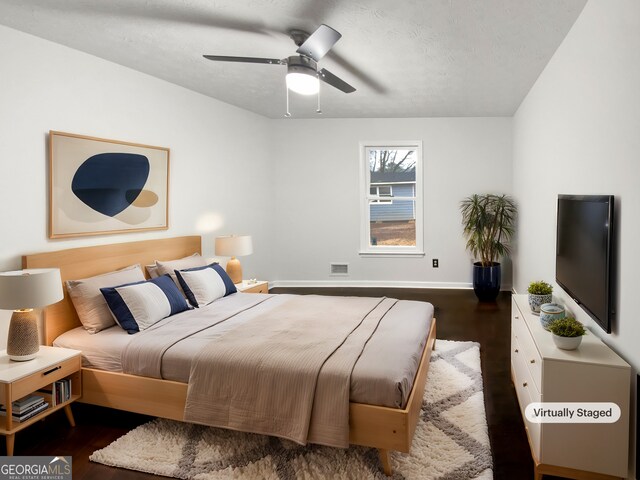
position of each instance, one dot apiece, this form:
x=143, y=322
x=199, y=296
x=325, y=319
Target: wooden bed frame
x=383, y=428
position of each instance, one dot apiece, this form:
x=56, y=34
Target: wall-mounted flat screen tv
x=584, y=253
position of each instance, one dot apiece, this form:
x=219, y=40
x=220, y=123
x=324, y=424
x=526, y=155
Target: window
x=381, y=191
x=391, y=198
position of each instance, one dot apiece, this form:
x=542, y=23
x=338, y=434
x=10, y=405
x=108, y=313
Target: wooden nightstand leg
x=10, y=442
x=67, y=410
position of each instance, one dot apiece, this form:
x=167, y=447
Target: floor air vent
x=339, y=269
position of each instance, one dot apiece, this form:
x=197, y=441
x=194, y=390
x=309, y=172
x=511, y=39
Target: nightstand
x=19, y=379
x=260, y=286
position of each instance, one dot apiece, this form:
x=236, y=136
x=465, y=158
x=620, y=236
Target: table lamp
x=234, y=246
x=22, y=291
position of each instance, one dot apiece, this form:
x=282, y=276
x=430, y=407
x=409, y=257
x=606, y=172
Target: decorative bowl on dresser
x=550, y=312
x=594, y=373
x=566, y=343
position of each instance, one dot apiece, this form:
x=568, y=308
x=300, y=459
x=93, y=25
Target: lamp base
x=23, y=343
x=23, y=358
x=234, y=270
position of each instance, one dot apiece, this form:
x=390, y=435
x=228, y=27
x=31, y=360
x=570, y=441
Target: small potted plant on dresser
x=567, y=333
x=539, y=294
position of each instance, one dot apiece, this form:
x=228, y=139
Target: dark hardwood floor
x=459, y=317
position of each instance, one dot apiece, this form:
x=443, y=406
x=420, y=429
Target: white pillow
x=169, y=267
x=138, y=306
x=90, y=305
x=152, y=271
x=203, y=285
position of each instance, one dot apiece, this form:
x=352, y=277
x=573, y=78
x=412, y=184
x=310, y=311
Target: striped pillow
x=203, y=285
x=137, y=306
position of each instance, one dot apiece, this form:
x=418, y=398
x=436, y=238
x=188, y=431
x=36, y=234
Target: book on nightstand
x=57, y=392
x=24, y=404
x=25, y=408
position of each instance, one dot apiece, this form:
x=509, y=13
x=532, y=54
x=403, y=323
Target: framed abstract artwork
x=99, y=186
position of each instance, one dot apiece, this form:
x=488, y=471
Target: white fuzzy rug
x=450, y=443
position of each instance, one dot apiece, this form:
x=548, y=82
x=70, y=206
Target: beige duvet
x=285, y=369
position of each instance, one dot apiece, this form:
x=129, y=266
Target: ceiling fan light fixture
x=303, y=83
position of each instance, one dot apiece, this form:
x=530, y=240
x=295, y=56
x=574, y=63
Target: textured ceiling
x=406, y=58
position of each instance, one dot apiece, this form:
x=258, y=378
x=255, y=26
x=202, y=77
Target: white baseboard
x=365, y=283
x=373, y=283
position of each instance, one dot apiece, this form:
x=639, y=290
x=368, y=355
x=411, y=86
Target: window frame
x=381, y=199
x=366, y=249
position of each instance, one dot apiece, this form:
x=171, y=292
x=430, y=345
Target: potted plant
x=539, y=293
x=567, y=333
x=488, y=222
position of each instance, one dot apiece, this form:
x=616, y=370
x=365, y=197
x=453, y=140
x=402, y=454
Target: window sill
x=388, y=253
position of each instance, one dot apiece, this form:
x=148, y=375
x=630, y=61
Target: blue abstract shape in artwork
x=110, y=182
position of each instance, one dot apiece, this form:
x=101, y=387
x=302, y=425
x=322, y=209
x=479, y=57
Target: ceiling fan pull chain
x=318, y=111
x=288, y=114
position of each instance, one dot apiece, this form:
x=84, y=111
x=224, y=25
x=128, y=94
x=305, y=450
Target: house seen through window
x=391, y=219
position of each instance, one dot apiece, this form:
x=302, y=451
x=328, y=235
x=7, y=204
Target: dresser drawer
x=522, y=373
x=530, y=354
x=527, y=393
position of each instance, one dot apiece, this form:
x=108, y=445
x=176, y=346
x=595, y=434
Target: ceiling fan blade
x=319, y=42
x=328, y=77
x=222, y=58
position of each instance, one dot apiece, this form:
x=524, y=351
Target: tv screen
x=584, y=253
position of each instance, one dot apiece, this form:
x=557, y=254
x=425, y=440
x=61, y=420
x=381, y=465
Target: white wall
x=578, y=132
x=233, y=171
x=219, y=182
x=318, y=205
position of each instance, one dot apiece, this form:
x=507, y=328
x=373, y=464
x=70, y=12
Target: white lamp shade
x=303, y=83
x=31, y=288
x=234, y=245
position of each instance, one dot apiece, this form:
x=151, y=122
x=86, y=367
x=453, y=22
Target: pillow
x=203, y=285
x=152, y=270
x=167, y=268
x=137, y=306
x=90, y=304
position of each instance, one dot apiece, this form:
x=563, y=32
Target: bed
x=385, y=427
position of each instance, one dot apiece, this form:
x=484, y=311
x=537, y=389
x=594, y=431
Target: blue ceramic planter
x=550, y=312
x=486, y=281
x=536, y=300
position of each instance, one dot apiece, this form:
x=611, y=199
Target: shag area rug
x=451, y=441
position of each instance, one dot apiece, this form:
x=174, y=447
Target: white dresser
x=593, y=373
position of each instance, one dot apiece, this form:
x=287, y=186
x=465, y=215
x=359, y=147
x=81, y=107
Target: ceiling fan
x=302, y=70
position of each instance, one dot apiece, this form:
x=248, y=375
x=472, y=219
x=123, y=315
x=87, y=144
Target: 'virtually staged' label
x=572, y=412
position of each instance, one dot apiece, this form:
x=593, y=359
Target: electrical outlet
x=435, y=263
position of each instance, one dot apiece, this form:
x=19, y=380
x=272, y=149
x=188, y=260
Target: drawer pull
x=52, y=370
x=517, y=317
x=516, y=350
x=532, y=361
x=524, y=384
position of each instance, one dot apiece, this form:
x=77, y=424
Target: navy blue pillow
x=137, y=306
x=203, y=285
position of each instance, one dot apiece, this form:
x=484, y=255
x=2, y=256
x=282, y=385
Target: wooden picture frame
x=99, y=186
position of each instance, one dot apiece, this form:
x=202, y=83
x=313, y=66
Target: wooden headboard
x=83, y=262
